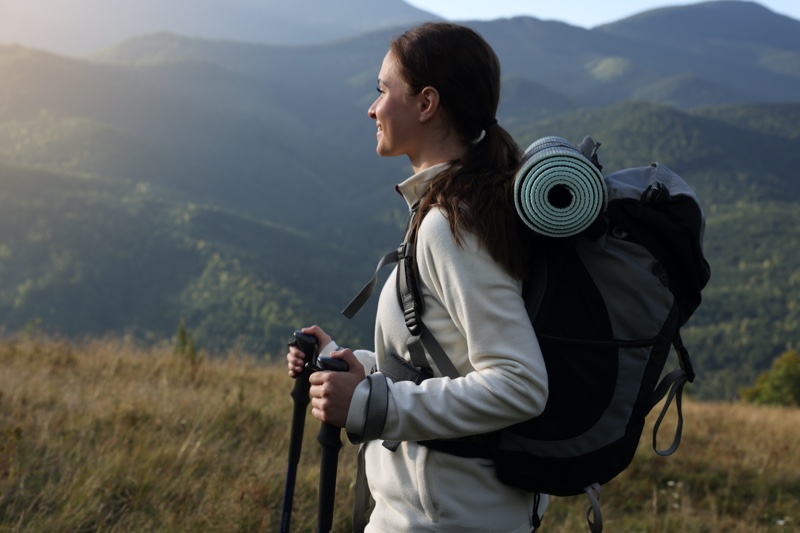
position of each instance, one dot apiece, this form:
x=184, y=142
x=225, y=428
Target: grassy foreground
x=105, y=436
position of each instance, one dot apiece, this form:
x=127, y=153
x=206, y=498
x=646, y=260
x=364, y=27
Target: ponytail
x=476, y=191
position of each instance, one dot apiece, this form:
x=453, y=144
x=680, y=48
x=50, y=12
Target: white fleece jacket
x=476, y=312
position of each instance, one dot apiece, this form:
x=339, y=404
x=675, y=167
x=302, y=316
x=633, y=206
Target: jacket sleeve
x=365, y=357
x=476, y=311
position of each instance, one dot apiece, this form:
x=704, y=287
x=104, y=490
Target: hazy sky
x=585, y=13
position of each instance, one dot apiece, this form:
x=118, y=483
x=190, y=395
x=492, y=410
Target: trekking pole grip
x=300, y=392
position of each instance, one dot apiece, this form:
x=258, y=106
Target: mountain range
x=80, y=27
x=234, y=185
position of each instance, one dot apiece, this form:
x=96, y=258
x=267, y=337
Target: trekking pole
x=330, y=441
x=308, y=345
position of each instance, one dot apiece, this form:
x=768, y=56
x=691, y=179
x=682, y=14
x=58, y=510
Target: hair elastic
x=480, y=137
x=483, y=131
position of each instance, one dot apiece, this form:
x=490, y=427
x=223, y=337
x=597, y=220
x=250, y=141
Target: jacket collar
x=413, y=188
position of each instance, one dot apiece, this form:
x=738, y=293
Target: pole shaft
x=330, y=441
x=301, y=400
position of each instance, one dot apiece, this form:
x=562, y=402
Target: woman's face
x=395, y=113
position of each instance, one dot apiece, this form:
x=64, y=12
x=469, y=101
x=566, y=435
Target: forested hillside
x=235, y=186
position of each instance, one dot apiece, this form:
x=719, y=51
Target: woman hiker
x=439, y=88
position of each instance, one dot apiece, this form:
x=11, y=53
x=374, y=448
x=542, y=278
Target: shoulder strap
x=408, y=293
x=410, y=298
x=411, y=302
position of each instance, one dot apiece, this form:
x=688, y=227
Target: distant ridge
x=80, y=27
x=681, y=65
x=716, y=24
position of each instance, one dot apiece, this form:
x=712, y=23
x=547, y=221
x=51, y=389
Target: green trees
x=780, y=385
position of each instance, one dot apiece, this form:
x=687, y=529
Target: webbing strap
x=593, y=515
x=437, y=353
x=364, y=294
x=392, y=257
x=536, y=520
x=417, y=353
x=361, y=494
x=672, y=382
x=683, y=357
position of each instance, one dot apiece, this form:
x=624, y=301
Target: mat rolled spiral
x=558, y=192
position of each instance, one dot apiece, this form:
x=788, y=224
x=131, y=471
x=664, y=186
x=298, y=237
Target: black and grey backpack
x=620, y=270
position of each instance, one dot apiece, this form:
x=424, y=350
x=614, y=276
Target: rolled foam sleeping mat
x=558, y=192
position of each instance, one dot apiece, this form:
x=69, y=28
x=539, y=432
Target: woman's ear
x=428, y=103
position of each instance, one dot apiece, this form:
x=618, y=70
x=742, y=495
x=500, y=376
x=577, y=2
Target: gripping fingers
x=295, y=361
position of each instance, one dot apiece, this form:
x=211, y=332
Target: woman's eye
x=378, y=88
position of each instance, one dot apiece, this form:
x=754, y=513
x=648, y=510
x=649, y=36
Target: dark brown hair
x=476, y=192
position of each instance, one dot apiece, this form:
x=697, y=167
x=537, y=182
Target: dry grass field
x=106, y=436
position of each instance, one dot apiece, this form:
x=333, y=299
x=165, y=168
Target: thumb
x=347, y=355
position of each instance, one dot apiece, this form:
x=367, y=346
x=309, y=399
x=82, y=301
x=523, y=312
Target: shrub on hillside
x=780, y=385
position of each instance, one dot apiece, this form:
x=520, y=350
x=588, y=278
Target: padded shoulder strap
x=535, y=285
x=408, y=293
x=410, y=299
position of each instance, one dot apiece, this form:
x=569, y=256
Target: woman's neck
x=443, y=154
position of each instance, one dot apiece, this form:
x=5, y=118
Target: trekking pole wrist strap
x=368, y=408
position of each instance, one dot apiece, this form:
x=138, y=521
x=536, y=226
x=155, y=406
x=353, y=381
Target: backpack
x=619, y=269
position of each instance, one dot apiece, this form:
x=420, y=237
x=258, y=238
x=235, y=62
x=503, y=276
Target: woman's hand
x=331, y=392
x=296, y=359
